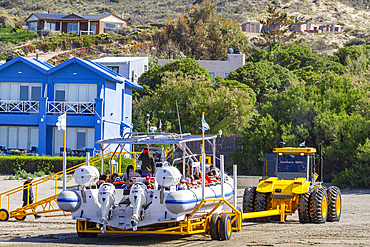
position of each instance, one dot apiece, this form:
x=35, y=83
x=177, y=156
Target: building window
x=20, y=91
x=23, y=93
x=226, y=74
x=32, y=26
x=60, y=93
x=50, y=25
x=212, y=74
x=145, y=68
x=78, y=139
x=72, y=27
x=75, y=92
x=21, y=137
x=111, y=26
x=35, y=93
x=114, y=68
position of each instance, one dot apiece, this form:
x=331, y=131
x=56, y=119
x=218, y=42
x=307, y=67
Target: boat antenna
x=178, y=116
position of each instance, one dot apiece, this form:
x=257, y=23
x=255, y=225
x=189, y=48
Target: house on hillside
x=311, y=27
x=235, y=59
x=317, y=27
x=33, y=94
x=129, y=67
x=80, y=24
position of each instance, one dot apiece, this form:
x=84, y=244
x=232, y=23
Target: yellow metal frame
x=47, y=205
x=188, y=227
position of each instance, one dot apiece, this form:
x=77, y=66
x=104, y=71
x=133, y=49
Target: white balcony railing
x=14, y=106
x=83, y=108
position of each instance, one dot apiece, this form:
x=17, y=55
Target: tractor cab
x=290, y=163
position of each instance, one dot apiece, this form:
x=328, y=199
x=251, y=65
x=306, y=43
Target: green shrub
x=356, y=177
x=32, y=164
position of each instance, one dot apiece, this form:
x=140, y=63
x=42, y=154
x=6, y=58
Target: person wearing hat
x=147, y=163
x=28, y=194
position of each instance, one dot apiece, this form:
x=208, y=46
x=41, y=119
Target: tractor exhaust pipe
x=321, y=164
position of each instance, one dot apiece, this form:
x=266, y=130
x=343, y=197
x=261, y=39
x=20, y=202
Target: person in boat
x=213, y=170
x=112, y=178
x=130, y=172
x=147, y=163
x=129, y=184
x=102, y=179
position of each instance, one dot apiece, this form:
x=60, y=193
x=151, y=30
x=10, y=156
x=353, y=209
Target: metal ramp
x=47, y=206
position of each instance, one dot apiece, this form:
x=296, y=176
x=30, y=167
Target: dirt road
x=353, y=229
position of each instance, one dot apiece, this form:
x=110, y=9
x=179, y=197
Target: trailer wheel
x=335, y=203
x=21, y=218
x=261, y=205
x=4, y=215
x=319, y=206
x=215, y=227
x=304, y=207
x=225, y=227
x=249, y=199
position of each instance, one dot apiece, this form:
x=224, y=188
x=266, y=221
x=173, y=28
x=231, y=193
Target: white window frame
x=19, y=84
x=66, y=90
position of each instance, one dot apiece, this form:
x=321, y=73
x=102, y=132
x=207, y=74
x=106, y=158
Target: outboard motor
x=106, y=199
x=138, y=200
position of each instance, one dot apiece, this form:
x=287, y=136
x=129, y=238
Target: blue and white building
x=98, y=102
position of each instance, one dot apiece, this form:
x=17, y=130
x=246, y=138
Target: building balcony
x=52, y=107
x=14, y=106
x=79, y=108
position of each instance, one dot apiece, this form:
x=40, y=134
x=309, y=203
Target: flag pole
x=203, y=161
x=65, y=154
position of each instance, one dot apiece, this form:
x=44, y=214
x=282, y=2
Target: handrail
x=49, y=177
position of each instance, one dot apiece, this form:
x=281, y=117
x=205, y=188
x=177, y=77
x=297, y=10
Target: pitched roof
x=69, y=16
x=98, y=69
x=43, y=67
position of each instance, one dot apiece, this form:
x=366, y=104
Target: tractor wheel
x=248, y=199
x=319, y=206
x=225, y=227
x=261, y=205
x=304, y=207
x=335, y=203
x=215, y=227
x=4, y=215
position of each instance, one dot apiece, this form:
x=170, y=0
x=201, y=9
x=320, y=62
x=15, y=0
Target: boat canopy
x=156, y=138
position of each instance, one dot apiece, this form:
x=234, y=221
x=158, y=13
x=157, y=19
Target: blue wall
x=79, y=72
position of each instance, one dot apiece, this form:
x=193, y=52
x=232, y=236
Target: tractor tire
x=319, y=206
x=215, y=227
x=261, y=205
x=304, y=207
x=225, y=227
x=248, y=199
x=4, y=215
x=335, y=203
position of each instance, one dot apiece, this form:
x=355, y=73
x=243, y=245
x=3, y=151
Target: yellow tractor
x=292, y=181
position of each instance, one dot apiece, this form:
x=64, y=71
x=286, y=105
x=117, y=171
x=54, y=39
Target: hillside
x=353, y=13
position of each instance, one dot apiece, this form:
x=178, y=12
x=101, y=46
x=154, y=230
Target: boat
x=167, y=203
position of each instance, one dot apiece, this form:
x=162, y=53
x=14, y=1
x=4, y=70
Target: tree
x=279, y=27
x=202, y=34
x=228, y=109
